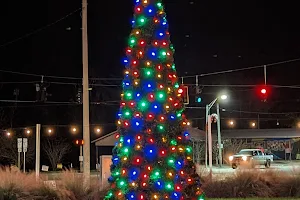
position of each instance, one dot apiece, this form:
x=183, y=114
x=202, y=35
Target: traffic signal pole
x=219, y=135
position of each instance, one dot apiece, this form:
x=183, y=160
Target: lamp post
x=209, y=137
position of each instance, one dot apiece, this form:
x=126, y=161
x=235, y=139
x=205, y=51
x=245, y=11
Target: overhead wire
x=191, y=76
x=40, y=29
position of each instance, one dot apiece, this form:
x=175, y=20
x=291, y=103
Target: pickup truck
x=250, y=157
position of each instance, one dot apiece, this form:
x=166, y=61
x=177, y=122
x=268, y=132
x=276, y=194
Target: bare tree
x=3, y=118
x=56, y=149
x=233, y=146
x=9, y=150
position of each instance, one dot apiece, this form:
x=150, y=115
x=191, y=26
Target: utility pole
x=206, y=134
x=85, y=99
x=37, y=150
x=219, y=135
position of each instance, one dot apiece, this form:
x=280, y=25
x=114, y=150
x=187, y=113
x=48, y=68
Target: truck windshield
x=250, y=153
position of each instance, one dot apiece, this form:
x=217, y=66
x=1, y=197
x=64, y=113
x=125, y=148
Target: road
x=226, y=170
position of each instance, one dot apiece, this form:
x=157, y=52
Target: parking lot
x=226, y=170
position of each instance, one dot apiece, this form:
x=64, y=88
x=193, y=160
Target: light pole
x=208, y=121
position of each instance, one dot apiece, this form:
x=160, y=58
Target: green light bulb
x=171, y=161
x=173, y=67
x=127, y=114
x=121, y=183
x=173, y=142
x=142, y=20
x=161, y=96
x=159, y=5
x=143, y=105
x=188, y=149
x=128, y=95
x=155, y=174
x=132, y=42
x=169, y=186
x=176, y=84
x=160, y=127
x=110, y=194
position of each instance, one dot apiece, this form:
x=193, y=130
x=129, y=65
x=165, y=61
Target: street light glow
x=50, y=131
x=98, y=130
x=231, y=122
x=8, y=134
x=253, y=124
x=74, y=129
x=28, y=131
x=224, y=97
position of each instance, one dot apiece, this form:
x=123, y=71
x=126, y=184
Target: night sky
x=208, y=36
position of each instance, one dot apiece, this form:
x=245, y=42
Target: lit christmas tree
x=153, y=157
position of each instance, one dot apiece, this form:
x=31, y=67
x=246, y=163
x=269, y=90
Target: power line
x=262, y=113
x=248, y=112
x=244, y=118
x=191, y=76
x=49, y=104
x=243, y=69
x=119, y=85
x=40, y=29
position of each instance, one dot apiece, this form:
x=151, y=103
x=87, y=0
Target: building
x=282, y=143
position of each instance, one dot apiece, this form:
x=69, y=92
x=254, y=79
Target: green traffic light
x=198, y=99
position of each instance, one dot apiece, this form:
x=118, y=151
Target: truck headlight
x=230, y=158
x=244, y=158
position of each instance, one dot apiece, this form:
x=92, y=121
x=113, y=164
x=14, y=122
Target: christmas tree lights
x=152, y=158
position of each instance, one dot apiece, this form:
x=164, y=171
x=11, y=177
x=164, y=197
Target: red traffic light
x=263, y=91
x=79, y=142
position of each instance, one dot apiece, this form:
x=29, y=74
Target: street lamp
x=253, y=124
x=8, y=134
x=27, y=131
x=98, y=130
x=224, y=97
x=209, y=137
x=74, y=130
x=231, y=123
x=50, y=131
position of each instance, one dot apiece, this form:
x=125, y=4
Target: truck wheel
x=234, y=166
x=268, y=164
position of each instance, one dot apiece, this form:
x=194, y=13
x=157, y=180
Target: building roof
x=261, y=133
x=110, y=140
x=199, y=135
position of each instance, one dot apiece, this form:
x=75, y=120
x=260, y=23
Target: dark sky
x=208, y=36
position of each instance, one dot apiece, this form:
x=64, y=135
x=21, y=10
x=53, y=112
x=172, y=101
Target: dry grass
x=271, y=184
x=255, y=183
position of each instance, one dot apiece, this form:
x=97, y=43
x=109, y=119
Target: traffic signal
x=198, y=98
x=79, y=95
x=185, y=95
x=264, y=92
x=79, y=142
